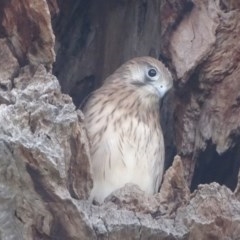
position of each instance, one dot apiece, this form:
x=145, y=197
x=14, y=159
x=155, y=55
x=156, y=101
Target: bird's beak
x=162, y=88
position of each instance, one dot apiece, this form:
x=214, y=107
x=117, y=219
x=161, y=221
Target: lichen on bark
x=45, y=163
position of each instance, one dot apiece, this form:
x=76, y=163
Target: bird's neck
x=134, y=101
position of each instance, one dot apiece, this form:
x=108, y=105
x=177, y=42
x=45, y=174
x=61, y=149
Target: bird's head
x=148, y=74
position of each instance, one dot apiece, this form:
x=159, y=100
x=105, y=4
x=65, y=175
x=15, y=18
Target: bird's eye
x=152, y=72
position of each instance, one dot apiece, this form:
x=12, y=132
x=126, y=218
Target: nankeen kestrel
x=123, y=122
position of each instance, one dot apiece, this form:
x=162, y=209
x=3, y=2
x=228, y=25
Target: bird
x=122, y=119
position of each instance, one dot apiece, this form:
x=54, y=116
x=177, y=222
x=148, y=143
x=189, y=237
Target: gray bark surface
x=49, y=49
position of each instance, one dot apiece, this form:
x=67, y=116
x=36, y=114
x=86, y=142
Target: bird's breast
x=126, y=146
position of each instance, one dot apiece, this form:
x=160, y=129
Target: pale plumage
x=123, y=123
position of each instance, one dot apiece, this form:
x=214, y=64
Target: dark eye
x=152, y=72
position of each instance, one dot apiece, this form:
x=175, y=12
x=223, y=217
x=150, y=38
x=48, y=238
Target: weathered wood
x=45, y=172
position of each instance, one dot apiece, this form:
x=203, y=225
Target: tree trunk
x=55, y=48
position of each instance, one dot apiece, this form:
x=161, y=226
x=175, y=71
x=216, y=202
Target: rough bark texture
x=207, y=111
x=45, y=172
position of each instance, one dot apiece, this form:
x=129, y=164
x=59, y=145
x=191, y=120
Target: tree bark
x=52, y=49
